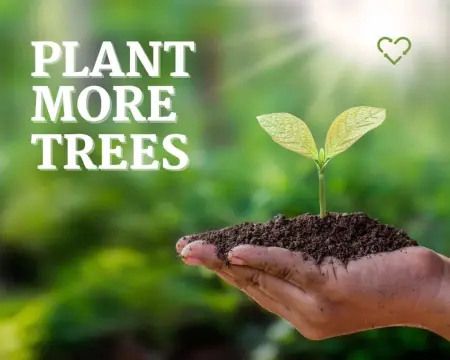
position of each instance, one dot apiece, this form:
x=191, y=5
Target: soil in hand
x=342, y=236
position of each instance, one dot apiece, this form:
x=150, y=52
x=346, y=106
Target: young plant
x=293, y=134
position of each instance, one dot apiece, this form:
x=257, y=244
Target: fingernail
x=192, y=261
x=185, y=252
x=235, y=260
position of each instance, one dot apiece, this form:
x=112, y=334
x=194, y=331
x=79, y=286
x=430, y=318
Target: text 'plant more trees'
x=122, y=104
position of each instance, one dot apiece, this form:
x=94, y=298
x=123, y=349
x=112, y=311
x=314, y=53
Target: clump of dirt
x=343, y=236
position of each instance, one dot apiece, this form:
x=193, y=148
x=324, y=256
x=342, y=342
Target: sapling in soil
x=340, y=236
x=293, y=134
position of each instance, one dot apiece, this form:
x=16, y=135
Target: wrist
x=436, y=309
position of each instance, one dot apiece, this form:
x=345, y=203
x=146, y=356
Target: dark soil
x=342, y=236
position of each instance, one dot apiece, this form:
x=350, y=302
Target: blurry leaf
x=23, y=332
x=350, y=126
x=290, y=132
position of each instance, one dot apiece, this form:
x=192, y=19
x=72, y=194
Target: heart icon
x=401, y=41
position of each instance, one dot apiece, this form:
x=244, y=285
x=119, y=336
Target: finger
x=227, y=278
x=181, y=244
x=239, y=282
x=258, y=296
x=274, y=288
x=267, y=303
x=292, y=311
x=201, y=254
x=293, y=267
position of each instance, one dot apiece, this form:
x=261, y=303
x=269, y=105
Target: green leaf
x=290, y=132
x=321, y=156
x=350, y=126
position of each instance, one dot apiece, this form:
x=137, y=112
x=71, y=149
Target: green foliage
x=350, y=126
x=293, y=134
x=103, y=242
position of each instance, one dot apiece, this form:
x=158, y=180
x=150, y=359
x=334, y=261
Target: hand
x=408, y=287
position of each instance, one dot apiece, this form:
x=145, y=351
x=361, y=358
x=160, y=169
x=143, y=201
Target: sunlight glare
x=353, y=27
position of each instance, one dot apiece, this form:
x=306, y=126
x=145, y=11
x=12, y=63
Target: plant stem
x=322, y=201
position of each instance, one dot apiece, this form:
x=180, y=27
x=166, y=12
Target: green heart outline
x=386, y=38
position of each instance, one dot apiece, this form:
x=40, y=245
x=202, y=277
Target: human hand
x=408, y=287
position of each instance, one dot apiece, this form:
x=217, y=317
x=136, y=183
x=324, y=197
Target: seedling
x=293, y=134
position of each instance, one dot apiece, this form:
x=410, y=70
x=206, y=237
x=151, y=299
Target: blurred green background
x=88, y=268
